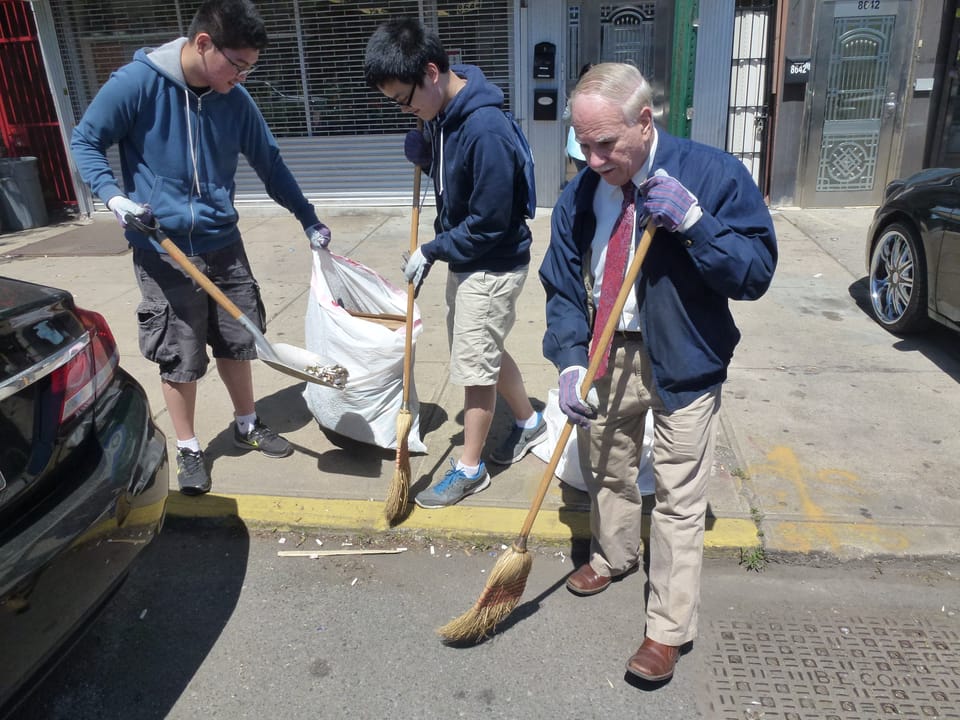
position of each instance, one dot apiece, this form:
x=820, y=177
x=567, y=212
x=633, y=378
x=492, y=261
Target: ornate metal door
x=860, y=69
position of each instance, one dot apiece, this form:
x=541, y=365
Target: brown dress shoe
x=653, y=661
x=584, y=581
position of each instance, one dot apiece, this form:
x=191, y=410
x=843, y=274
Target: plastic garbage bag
x=372, y=352
x=568, y=469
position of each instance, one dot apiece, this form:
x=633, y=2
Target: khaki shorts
x=481, y=310
x=178, y=320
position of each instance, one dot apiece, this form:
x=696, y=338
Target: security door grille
x=341, y=139
x=626, y=35
x=749, y=87
x=856, y=86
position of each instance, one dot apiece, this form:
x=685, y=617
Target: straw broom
x=399, y=491
x=508, y=578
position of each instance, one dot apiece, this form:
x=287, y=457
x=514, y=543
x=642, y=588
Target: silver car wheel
x=897, y=285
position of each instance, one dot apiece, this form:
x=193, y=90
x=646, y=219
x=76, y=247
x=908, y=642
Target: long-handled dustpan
x=288, y=359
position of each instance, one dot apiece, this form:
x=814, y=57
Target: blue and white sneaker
x=454, y=487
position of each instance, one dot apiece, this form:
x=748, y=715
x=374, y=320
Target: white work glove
x=578, y=410
x=415, y=268
x=319, y=236
x=123, y=206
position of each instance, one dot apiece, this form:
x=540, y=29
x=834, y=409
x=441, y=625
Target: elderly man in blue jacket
x=182, y=118
x=674, y=339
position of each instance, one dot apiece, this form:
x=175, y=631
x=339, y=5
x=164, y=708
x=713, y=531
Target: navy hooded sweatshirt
x=479, y=182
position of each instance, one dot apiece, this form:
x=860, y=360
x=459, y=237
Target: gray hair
x=619, y=83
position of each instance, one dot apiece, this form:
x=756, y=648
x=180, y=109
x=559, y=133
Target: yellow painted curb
x=552, y=524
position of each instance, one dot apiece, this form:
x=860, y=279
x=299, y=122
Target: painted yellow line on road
x=552, y=524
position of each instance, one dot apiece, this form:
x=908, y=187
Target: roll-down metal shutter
x=342, y=140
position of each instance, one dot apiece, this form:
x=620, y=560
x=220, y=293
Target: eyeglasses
x=242, y=72
x=405, y=103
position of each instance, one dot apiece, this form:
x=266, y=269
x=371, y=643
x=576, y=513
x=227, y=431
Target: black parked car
x=83, y=477
x=913, y=252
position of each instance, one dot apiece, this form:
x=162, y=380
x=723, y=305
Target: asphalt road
x=215, y=624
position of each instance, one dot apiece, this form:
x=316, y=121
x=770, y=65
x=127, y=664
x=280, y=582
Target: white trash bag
x=568, y=469
x=367, y=409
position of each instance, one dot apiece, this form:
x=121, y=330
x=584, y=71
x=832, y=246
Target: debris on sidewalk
x=330, y=553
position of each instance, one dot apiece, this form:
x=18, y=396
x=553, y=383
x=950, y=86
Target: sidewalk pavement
x=838, y=440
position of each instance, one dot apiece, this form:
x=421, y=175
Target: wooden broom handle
x=625, y=289
x=201, y=279
x=411, y=290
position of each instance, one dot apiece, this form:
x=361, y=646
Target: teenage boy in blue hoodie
x=471, y=151
x=182, y=118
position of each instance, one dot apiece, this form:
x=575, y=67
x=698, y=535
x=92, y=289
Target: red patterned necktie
x=618, y=250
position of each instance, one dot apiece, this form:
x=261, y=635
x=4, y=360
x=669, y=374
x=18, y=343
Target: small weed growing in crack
x=754, y=558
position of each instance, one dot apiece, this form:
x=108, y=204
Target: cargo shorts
x=177, y=319
x=481, y=311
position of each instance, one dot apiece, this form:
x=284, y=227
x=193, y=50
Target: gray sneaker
x=192, y=473
x=519, y=442
x=454, y=487
x=263, y=439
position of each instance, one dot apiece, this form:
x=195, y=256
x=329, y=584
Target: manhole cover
x=856, y=668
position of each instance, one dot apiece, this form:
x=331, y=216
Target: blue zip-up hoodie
x=179, y=151
x=686, y=280
x=479, y=182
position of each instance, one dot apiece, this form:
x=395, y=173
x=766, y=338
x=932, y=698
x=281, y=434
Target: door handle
x=891, y=104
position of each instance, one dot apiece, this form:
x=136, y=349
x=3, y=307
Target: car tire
x=898, y=280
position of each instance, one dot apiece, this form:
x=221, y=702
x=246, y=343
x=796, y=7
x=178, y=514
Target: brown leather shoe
x=584, y=581
x=653, y=661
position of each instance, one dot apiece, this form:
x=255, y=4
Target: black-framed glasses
x=406, y=103
x=242, y=72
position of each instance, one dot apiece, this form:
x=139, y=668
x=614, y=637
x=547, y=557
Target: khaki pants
x=683, y=450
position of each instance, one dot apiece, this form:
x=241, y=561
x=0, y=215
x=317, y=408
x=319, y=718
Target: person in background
x=182, y=118
x=470, y=150
x=574, y=153
x=674, y=340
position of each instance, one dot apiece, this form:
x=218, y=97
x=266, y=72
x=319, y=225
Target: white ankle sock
x=470, y=470
x=191, y=444
x=530, y=422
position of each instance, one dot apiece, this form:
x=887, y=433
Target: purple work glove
x=122, y=206
x=668, y=203
x=578, y=411
x=417, y=149
x=319, y=236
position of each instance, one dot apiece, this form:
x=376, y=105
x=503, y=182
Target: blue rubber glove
x=416, y=148
x=123, y=206
x=668, y=203
x=319, y=236
x=415, y=268
x=579, y=411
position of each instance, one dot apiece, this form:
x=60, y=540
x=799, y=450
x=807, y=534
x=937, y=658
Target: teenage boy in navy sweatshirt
x=472, y=152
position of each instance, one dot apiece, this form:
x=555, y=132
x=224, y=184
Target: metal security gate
x=860, y=69
x=28, y=118
x=748, y=127
x=342, y=140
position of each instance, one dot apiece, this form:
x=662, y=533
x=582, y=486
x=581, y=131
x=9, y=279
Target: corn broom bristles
x=399, y=490
x=503, y=591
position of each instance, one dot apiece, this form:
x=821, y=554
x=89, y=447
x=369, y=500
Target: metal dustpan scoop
x=288, y=359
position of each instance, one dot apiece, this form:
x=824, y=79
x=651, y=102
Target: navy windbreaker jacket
x=685, y=281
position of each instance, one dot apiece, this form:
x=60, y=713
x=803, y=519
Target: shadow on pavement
x=172, y=608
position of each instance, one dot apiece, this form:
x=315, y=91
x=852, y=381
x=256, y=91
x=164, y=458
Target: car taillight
x=84, y=377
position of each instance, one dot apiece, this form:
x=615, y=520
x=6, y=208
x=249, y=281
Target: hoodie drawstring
x=193, y=150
